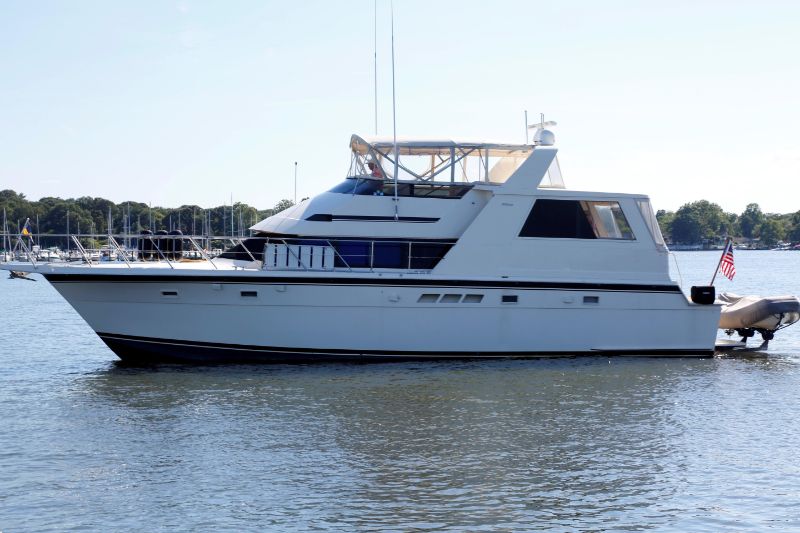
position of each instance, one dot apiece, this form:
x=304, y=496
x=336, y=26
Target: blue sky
x=189, y=102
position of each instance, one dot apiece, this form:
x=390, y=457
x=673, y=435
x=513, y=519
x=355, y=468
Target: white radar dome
x=544, y=138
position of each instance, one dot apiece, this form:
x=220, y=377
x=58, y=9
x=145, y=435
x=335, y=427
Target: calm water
x=589, y=444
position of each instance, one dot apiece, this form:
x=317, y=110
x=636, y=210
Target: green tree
x=751, y=219
x=282, y=206
x=794, y=229
x=771, y=231
x=665, y=219
x=698, y=221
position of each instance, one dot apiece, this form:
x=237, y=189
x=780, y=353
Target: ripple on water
x=548, y=445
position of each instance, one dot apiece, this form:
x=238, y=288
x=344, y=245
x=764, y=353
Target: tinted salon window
x=576, y=219
x=557, y=219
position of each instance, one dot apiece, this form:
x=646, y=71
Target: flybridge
x=442, y=161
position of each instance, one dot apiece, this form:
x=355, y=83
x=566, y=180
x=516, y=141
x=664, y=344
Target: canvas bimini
x=427, y=249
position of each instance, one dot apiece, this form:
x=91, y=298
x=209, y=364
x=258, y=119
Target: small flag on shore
x=726, y=264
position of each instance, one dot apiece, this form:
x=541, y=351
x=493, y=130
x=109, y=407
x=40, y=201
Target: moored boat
x=428, y=249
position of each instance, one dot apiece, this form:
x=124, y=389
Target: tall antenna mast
x=526, y=126
x=394, y=123
x=295, y=182
x=375, y=60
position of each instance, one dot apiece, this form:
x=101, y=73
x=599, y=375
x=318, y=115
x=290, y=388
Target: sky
x=190, y=102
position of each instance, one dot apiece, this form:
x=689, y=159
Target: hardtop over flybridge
x=426, y=249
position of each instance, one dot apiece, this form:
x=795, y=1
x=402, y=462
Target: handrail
x=82, y=250
x=370, y=254
x=237, y=242
x=161, y=253
x=21, y=242
x=120, y=251
x=288, y=249
x=345, y=254
x=337, y=254
x=202, y=253
x=299, y=260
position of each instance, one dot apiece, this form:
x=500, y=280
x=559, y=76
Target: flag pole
x=724, y=249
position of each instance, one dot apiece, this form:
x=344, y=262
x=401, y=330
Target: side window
x=608, y=220
x=652, y=223
x=563, y=219
x=576, y=219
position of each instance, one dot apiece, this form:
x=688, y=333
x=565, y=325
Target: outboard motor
x=176, y=245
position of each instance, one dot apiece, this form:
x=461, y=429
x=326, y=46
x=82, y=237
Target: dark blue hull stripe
x=136, y=349
x=367, y=282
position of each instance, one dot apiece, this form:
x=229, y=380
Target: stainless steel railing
x=287, y=253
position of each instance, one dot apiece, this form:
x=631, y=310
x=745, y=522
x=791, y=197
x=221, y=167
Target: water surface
x=581, y=444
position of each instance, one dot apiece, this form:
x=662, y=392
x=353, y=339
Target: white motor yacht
x=446, y=249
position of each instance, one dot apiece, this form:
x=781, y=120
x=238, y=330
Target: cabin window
x=426, y=255
x=390, y=254
x=576, y=219
x=353, y=254
x=350, y=253
x=509, y=299
x=608, y=220
x=359, y=186
x=652, y=222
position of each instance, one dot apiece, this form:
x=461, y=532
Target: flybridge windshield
x=380, y=187
x=436, y=160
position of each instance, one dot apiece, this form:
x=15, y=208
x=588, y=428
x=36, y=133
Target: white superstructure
x=473, y=249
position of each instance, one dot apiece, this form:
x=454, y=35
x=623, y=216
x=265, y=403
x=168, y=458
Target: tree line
x=694, y=223
x=87, y=215
x=706, y=222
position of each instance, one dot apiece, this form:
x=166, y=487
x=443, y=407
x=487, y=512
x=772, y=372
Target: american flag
x=726, y=264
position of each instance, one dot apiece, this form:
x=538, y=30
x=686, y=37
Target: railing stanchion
x=82, y=250
x=161, y=253
x=113, y=242
x=202, y=253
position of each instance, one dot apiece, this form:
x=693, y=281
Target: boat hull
x=143, y=350
x=240, y=320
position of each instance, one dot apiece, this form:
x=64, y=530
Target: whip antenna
x=526, y=126
x=375, y=60
x=394, y=122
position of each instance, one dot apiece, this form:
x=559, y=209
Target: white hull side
x=388, y=320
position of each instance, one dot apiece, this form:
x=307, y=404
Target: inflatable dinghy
x=747, y=315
